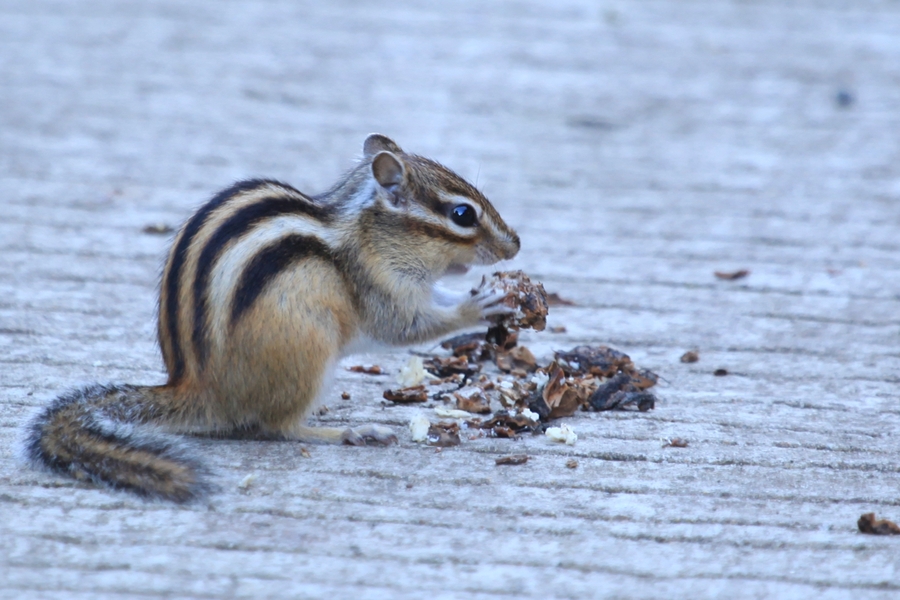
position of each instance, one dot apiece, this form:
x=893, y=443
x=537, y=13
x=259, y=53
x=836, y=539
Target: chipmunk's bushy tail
x=104, y=434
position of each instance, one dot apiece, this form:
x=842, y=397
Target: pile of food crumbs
x=497, y=387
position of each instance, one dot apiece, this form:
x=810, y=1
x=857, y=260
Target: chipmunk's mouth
x=457, y=269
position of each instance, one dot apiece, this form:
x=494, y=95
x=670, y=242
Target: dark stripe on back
x=233, y=228
x=268, y=263
x=173, y=277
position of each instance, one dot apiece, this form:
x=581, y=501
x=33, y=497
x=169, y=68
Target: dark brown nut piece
x=600, y=361
x=512, y=459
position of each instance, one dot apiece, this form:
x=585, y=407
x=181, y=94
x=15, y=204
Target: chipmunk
x=264, y=290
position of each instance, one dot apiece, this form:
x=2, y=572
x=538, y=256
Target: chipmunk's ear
x=376, y=143
x=388, y=171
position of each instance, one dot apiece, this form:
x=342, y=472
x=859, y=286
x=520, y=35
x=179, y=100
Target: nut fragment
x=867, y=523
x=731, y=275
x=443, y=435
x=513, y=459
x=472, y=399
x=407, y=395
x=676, y=443
x=601, y=361
x=691, y=356
x=370, y=370
x=158, y=228
x=572, y=463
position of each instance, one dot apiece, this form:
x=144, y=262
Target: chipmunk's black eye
x=463, y=215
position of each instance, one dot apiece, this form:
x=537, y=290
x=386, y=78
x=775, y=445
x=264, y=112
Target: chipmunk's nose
x=512, y=247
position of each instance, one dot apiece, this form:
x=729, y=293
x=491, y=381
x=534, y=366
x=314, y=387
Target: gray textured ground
x=637, y=147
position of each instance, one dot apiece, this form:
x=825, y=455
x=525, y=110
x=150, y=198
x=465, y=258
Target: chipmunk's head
x=456, y=225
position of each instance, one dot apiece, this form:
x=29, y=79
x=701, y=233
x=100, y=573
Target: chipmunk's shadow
x=250, y=433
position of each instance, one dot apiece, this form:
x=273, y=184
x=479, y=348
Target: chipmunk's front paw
x=492, y=300
x=360, y=436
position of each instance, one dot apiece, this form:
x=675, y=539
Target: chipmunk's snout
x=516, y=244
x=511, y=246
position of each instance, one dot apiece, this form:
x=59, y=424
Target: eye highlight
x=463, y=215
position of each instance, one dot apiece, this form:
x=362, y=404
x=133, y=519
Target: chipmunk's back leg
x=282, y=354
x=101, y=434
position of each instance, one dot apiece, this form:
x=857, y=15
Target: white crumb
x=413, y=373
x=540, y=380
x=247, y=481
x=452, y=413
x=530, y=414
x=563, y=433
x=418, y=428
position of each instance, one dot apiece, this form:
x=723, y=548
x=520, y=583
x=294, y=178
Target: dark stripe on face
x=233, y=228
x=268, y=263
x=414, y=225
x=173, y=277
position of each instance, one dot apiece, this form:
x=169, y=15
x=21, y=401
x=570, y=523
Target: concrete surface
x=637, y=147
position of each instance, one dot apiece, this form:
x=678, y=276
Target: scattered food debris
x=572, y=463
x=304, y=452
x=418, y=428
x=867, y=523
x=521, y=394
x=345, y=395
x=562, y=434
x=158, y=229
x=554, y=299
x=675, y=443
x=247, y=481
x=371, y=370
x=512, y=459
x=407, y=395
x=720, y=372
x=443, y=435
x=558, y=329
x=731, y=275
x=691, y=356
x=322, y=410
